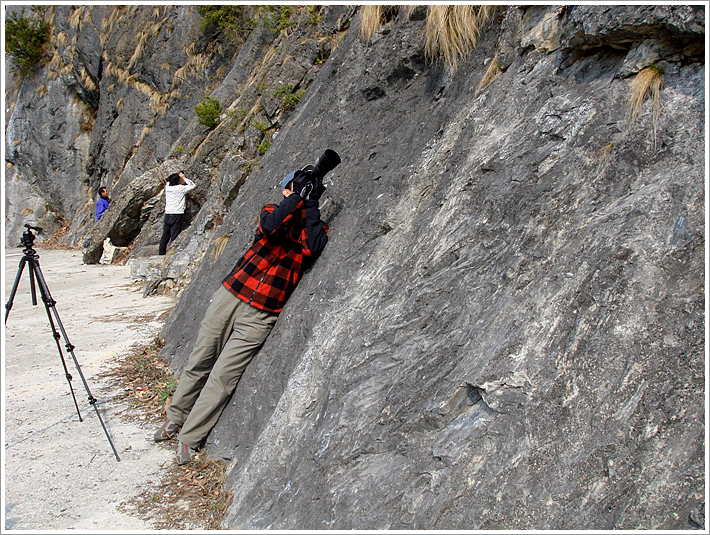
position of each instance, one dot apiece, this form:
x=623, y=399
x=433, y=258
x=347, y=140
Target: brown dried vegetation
x=186, y=497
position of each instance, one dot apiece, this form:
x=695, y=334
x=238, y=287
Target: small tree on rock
x=25, y=38
x=208, y=112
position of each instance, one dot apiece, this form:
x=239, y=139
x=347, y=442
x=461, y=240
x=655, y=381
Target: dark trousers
x=171, y=228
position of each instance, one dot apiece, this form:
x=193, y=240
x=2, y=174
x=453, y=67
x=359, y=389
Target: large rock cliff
x=506, y=329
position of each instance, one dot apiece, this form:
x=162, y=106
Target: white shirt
x=175, y=196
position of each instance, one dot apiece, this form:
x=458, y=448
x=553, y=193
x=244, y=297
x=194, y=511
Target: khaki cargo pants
x=230, y=335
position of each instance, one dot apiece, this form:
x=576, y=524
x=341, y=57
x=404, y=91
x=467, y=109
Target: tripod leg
x=32, y=285
x=55, y=334
x=49, y=303
x=8, y=305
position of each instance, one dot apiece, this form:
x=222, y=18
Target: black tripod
x=30, y=257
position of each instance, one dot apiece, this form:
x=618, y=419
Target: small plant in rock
x=291, y=100
x=283, y=90
x=88, y=118
x=25, y=38
x=260, y=126
x=208, y=112
x=288, y=98
x=314, y=15
x=262, y=147
x=284, y=22
x=238, y=114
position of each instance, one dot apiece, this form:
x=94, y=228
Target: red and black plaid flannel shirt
x=268, y=273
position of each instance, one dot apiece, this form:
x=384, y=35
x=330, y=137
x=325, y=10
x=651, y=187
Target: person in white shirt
x=175, y=190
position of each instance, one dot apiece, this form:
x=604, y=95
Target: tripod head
x=28, y=239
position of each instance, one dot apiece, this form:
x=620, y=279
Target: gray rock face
x=503, y=331
x=506, y=329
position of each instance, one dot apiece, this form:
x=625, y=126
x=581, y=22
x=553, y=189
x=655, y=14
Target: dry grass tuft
x=604, y=159
x=371, y=19
x=61, y=39
x=219, y=245
x=649, y=81
x=453, y=31
x=494, y=71
x=140, y=47
x=75, y=17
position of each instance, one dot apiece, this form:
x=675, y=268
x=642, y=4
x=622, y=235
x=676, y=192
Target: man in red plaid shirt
x=244, y=309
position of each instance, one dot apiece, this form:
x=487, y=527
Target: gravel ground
x=59, y=472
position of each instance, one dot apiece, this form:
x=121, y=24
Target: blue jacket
x=101, y=206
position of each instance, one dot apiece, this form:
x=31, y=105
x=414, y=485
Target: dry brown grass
x=649, y=81
x=494, y=71
x=75, y=17
x=371, y=20
x=219, y=245
x=53, y=241
x=144, y=381
x=373, y=17
x=186, y=497
x=453, y=31
x=603, y=158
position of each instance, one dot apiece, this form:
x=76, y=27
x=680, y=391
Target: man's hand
x=302, y=184
x=318, y=190
x=306, y=190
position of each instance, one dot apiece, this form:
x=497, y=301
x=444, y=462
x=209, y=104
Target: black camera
x=327, y=162
x=309, y=181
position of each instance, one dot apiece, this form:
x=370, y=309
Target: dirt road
x=61, y=473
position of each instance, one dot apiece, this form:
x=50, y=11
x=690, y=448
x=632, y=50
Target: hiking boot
x=167, y=431
x=184, y=454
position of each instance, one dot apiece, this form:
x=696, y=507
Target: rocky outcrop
x=125, y=217
x=506, y=329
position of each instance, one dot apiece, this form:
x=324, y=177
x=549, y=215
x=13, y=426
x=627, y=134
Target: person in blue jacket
x=102, y=202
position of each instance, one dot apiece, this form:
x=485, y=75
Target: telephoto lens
x=327, y=162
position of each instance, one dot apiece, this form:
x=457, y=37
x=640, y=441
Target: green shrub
x=284, y=18
x=277, y=18
x=283, y=90
x=208, y=112
x=234, y=21
x=25, y=38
